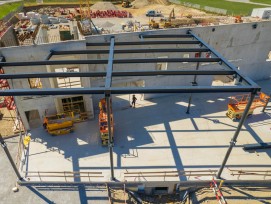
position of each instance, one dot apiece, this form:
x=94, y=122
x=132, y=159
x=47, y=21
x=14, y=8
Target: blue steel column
x=234, y=139
x=4, y=145
x=108, y=82
x=266, y=104
x=194, y=83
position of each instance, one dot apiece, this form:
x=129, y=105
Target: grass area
x=9, y=7
x=262, y=1
x=233, y=8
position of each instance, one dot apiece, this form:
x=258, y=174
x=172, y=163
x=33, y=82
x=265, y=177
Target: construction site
x=49, y=24
x=144, y=103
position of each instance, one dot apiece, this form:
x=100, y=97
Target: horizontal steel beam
x=52, y=75
x=195, y=183
x=166, y=36
x=125, y=90
x=105, y=61
x=127, y=51
x=110, y=64
x=181, y=89
x=115, y=74
x=173, y=42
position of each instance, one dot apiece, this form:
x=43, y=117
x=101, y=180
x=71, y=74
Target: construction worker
x=45, y=122
x=133, y=100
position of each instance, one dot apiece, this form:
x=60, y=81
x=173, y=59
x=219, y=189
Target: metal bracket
x=232, y=142
x=194, y=83
x=107, y=93
x=3, y=144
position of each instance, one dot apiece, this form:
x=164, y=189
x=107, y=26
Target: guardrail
x=165, y=174
x=264, y=173
x=62, y=174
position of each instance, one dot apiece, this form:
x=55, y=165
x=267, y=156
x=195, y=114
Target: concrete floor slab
x=157, y=137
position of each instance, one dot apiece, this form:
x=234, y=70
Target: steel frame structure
x=247, y=84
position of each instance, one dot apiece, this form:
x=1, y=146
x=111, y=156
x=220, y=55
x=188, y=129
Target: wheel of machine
x=249, y=115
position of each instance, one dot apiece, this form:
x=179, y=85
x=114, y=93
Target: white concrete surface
x=157, y=136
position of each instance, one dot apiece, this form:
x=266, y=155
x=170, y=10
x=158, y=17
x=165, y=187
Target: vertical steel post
x=234, y=139
x=4, y=145
x=266, y=104
x=110, y=135
x=108, y=81
x=194, y=83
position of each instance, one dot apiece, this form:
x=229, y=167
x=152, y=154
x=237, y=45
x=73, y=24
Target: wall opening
x=35, y=83
x=73, y=104
x=33, y=118
x=68, y=82
x=269, y=57
x=186, y=55
x=161, y=66
x=160, y=190
x=124, y=100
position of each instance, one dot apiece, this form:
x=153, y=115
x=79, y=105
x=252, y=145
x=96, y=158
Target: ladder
x=219, y=196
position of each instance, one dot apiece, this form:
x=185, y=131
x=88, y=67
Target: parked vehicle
x=153, y=13
x=52, y=26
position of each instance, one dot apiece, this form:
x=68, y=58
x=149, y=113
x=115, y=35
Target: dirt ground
x=234, y=195
x=119, y=196
x=180, y=11
x=6, y=124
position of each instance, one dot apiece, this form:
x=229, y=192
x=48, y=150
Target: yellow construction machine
x=237, y=105
x=238, y=19
x=59, y=124
x=166, y=22
x=153, y=24
x=103, y=122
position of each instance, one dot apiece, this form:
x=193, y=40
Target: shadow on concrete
x=46, y=200
x=131, y=131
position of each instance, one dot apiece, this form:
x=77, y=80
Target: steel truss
x=247, y=85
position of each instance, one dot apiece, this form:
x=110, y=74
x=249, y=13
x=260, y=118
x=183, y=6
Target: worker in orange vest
x=45, y=122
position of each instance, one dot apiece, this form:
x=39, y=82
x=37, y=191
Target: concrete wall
x=247, y=47
x=9, y=38
x=243, y=45
x=34, y=53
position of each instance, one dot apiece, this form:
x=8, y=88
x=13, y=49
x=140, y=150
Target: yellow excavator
x=153, y=24
x=166, y=22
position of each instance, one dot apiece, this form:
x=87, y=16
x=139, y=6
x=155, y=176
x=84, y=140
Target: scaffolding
x=9, y=102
